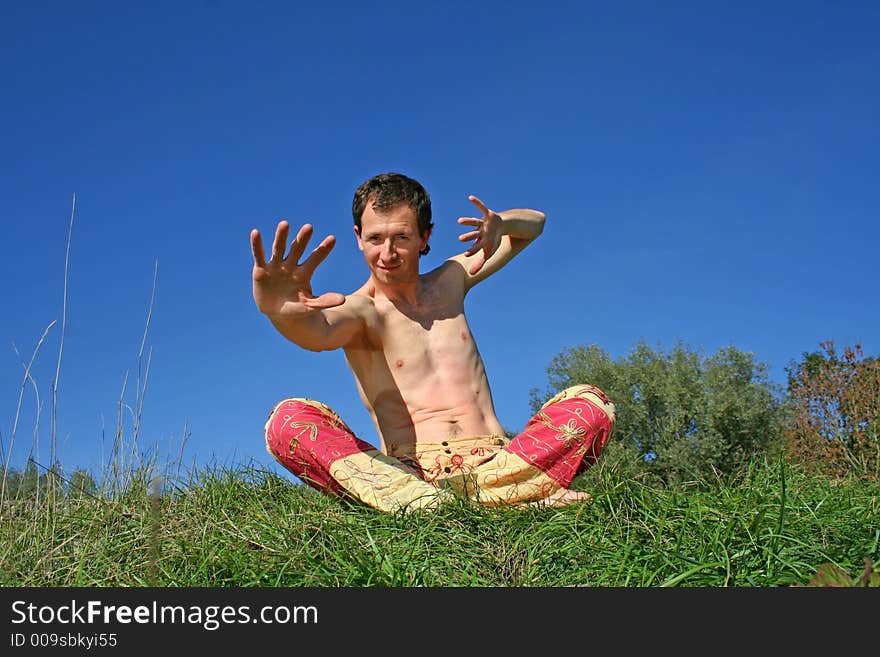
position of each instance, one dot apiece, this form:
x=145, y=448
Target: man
x=416, y=365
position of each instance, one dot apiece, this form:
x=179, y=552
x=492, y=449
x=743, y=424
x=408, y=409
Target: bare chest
x=426, y=336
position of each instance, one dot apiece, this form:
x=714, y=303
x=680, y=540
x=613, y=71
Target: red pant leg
x=311, y=441
x=568, y=434
x=562, y=439
x=306, y=437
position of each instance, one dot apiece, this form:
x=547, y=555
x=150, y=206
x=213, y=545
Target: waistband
x=456, y=444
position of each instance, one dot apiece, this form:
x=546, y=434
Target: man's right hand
x=282, y=286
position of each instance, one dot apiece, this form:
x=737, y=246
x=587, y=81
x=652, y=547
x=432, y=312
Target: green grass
x=244, y=526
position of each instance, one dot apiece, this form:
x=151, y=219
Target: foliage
x=31, y=484
x=680, y=416
x=835, y=420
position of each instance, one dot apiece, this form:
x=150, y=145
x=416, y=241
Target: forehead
x=400, y=217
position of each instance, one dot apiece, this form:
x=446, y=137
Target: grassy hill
x=773, y=526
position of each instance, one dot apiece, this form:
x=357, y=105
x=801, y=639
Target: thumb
x=478, y=263
x=326, y=300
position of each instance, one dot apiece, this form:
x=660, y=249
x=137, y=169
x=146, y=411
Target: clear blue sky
x=709, y=172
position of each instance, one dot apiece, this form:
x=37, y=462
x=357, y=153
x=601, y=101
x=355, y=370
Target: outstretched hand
x=486, y=234
x=282, y=286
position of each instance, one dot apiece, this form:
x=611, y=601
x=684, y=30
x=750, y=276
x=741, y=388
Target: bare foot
x=561, y=497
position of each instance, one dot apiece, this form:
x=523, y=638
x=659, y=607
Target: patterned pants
x=560, y=441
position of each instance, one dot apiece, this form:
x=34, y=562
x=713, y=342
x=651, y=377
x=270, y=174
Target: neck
x=408, y=293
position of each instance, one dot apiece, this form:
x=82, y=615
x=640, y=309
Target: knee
x=297, y=421
x=298, y=404
x=274, y=424
x=290, y=435
x=591, y=393
x=281, y=419
x=306, y=410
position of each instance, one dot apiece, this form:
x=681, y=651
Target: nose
x=388, y=251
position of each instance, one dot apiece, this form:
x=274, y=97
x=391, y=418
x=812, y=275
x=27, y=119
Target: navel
x=399, y=363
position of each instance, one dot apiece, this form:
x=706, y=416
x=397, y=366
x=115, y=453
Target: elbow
x=303, y=335
x=313, y=345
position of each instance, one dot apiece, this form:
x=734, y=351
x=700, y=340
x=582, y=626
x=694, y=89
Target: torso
x=417, y=367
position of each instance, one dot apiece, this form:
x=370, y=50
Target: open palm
x=282, y=285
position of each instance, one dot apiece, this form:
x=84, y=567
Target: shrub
x=835, y=399
x=680, y=416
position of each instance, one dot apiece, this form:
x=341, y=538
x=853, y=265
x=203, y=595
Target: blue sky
x=709, y=172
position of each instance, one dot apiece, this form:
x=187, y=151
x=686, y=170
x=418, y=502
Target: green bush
x=680, y=416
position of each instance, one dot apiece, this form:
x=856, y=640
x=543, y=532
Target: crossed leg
x=561, y=440
x=564, y=438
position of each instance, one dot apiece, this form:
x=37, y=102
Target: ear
x=423, y=246
x=357, y=235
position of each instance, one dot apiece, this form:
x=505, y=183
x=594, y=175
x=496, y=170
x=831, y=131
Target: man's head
x=386, y=192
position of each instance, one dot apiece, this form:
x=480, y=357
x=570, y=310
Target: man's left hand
x=486, y=234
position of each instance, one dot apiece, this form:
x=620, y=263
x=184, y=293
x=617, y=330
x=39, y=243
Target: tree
x=30, y=483
x=12, y=482
x=30, y=480
x=81, y=483
x=680, y=416
x=835, y=421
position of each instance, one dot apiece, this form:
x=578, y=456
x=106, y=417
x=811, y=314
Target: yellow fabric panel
x=383, y=483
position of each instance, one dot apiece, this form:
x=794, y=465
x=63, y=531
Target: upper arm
x=343, y=325
x=327, y=329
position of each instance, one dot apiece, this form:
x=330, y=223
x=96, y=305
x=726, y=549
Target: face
x=391, y=243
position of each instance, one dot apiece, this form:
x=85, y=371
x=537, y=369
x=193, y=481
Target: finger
x=476, y=246
x=280, y=242
x=316, y=257
x=326, y=300
x=478, y=264
x=257, y=248
x=300, y=242
x=473, y=199
x=467, y=237
x=470, y=221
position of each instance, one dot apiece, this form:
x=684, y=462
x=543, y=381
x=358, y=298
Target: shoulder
x=446, y=281
x=360, y=302
x=357, y=309
x=451, y=272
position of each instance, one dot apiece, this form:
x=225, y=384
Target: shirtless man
x=416, y=365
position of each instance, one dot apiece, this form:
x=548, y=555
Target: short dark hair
x=388, y=190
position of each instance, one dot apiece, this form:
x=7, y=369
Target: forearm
x=308, y=331
x=320, y=330
x=522, y=223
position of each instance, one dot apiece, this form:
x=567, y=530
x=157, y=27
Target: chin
x=398, y=275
